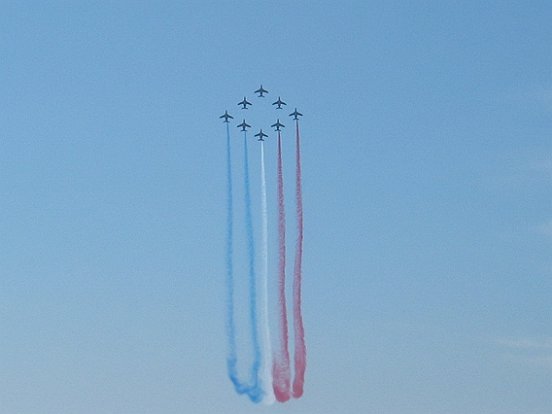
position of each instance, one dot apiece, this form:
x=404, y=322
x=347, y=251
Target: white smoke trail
x=267, y=352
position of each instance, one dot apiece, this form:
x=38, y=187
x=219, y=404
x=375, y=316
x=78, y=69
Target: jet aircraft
x=278, y=125
x=226, y=116
x=245, y=102
x=261, y=91
x=295, y=114
x=244, y=126
x=261, y=134
x=279, y=102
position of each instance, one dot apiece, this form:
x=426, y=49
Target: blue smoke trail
x=231, y=360
x=253, y=391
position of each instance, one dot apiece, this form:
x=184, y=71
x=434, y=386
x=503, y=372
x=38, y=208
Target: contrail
x=281, y=364
x=267, y=352
x=253, y=391
x=231, y=359
x=299, y=332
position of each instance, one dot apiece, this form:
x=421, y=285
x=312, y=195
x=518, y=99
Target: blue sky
x=427, y=191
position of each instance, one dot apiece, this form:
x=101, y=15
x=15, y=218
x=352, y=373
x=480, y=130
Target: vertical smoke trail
x=255, y=392
x=299, y=332
x=281, y=368
x=267, y=352
x=231, y=359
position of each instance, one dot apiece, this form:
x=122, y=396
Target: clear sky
x=427, y=152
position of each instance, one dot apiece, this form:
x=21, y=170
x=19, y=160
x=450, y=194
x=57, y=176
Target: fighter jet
x=244, y=103
x=226, y=116
x=261, y=134
x=279, y=102
x=278, y=125
x=261, y=91
x=244, y=126
x=295, y=114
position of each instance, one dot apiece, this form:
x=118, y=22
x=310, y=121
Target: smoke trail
x=281, y=368
x=231, y=359
x=299, y=332
x=253, y=390
x=267, y=352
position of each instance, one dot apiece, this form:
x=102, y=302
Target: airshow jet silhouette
x=226, y=116
x=295, y=114
x=261, y=91
x=261, y=134
x=244, y=126
x=279, y=102
x=245, y=102
x=278, y=125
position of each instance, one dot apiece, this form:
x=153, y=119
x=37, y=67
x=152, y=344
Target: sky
x=427, y=185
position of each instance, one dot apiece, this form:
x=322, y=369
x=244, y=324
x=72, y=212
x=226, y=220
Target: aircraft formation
x=245, y=104
x=271, y=371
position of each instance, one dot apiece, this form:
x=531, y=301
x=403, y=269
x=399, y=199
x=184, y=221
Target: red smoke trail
x=280, y=368
x=299, y=332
